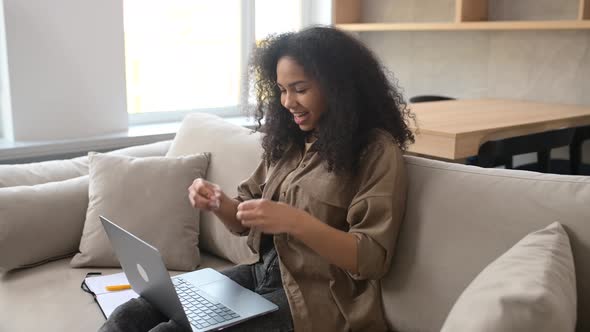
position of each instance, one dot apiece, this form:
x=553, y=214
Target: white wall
x=66, y=68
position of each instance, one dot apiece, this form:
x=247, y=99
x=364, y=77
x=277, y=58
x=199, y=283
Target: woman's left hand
x=268, y=216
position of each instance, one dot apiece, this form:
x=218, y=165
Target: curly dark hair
x=359, y=95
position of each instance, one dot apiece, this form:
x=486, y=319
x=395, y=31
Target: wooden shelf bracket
x=471, y=10
x=584, y=10
x=346, y=11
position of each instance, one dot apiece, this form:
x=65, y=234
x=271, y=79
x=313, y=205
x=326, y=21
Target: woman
x=324, y=207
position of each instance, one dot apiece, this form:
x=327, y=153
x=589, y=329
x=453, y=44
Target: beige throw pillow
x=235, y=153
x=532, y=287
x=148, y=197
x=42, y=222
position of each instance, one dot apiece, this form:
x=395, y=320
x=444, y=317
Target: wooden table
x=455, y=129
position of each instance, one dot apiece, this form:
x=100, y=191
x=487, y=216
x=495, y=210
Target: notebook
x=109, y=300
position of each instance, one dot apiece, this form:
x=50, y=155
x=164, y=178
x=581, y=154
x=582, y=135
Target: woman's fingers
x=203, y=189
x=250, y=223
x=251, y=213
x=252, y=204
x=215, y=199
x=191, y=198
x=253, y=222
x=198, y=201
x=213, y=196
x=204, y=195
x=247, y=214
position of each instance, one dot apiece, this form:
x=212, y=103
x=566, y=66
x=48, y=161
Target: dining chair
x=427, y=98
x=574, y=165
x=501, y=152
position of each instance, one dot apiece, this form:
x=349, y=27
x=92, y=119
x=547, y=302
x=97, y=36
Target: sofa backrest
x=31, y=174
x=460, y=218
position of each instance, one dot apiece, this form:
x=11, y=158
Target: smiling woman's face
x=300, y=94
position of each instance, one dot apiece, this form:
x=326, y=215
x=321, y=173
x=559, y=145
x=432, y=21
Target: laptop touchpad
x=203, y=277
x=235, y=296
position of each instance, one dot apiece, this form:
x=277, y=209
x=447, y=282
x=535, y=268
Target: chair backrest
x=582, y=134
x=427, y=98
x=498, y=152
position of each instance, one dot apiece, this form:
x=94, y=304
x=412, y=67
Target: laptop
x=201, y=300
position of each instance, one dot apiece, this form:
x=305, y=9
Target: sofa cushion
x=40, y=223
x=42, y=172
x=58, y=170
x=460, y=218
x=157, y=149
x=50, y=296
x=148, y=197
x=531, y=287
x=235, y=153
x=43, y=201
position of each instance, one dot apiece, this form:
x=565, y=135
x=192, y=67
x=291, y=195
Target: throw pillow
x=532, y=287
x=235, y=153
x=41, y=223
x=147, y=197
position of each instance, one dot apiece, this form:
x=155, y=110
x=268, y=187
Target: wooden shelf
x=467, y=26
x=469, y=15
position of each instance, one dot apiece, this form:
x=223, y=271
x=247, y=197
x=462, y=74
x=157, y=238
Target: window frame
x=176, y=116
x=5, y=103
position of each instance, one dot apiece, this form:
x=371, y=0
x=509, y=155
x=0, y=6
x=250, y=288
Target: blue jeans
x=264, y=278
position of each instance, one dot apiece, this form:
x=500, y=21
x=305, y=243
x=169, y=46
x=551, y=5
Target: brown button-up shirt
x=370, y=204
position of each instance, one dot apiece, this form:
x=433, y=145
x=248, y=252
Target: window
x=274, y=16
x=186, y=55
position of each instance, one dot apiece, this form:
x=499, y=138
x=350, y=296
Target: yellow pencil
x=117, y=287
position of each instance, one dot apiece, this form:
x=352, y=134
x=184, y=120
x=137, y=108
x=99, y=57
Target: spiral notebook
x=108, y=301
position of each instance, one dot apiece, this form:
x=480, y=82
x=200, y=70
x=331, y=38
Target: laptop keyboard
x=201, y=312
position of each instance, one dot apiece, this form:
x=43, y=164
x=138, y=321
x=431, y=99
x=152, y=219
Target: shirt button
x=303, y=165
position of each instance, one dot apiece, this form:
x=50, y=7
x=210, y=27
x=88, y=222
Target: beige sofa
x=458, y=219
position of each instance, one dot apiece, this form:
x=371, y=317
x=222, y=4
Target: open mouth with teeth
x=300, y=117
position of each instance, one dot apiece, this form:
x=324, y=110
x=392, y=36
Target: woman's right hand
x=205, y=195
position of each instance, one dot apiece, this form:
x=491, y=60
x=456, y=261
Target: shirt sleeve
x=251, y=188
x=377, y=209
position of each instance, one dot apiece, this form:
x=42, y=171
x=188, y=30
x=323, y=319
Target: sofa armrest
x=41, y=223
